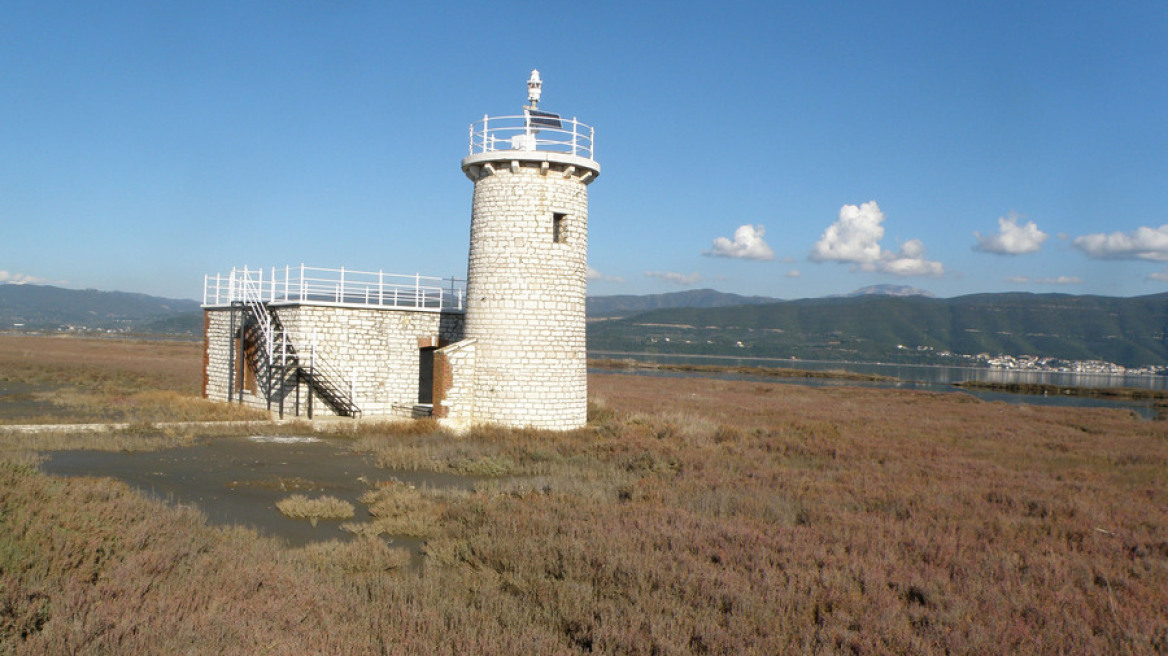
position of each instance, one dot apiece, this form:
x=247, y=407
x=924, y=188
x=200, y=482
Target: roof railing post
x=341, y=287
x=417, y=290
x=301, y=282
x=380, y=286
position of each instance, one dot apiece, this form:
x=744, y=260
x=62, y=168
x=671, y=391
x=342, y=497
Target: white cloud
x=1158, y=276
x=675, y=278
x=1012, y=239
x=7, y=278
x=910, y=261
x=1143, y=244
x=793, y=273
x=855, y=238
x=593, y=274
x=748, y=244
x=1058, y=280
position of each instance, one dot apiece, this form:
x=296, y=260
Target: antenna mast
x=534, y=88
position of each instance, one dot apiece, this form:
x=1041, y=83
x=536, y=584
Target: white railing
x=250, y=292
x=342, y=286
x=499, y=133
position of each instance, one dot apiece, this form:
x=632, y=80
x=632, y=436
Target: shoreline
x=773, y=372
x=1044, y=389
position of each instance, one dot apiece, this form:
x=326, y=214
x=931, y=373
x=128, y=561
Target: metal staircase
x=280, y=368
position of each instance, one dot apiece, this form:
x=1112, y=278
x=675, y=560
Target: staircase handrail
x=324, y=372
x=249, y=288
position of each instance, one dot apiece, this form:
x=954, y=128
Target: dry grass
x=103, y=363
x=88, y=380
x=299, y=506
x=692, y=517
x=397, y=509
x=362, y=555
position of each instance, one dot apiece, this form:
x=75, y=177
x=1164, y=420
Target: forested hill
x=873, y=328
x=1127, y=331
x=45, y=307
x=625, y=305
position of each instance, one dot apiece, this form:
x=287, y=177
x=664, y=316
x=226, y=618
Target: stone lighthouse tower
x=527, y=272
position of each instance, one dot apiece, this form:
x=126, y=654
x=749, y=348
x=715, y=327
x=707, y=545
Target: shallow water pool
x=238, y=480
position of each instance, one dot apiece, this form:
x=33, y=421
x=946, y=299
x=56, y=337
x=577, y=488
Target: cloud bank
x=855, y=238
x=675, y=278
x=1142, y=244
x=748, y=244
x=1058, y=280
x=7, y=278
x=1012, y=239
x=593, y=274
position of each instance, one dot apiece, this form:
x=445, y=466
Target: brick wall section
x=454, y=384
x=525, y=294
x=443, y=381
x=375, y=350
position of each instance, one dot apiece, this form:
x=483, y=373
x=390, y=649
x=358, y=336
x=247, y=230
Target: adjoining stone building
x=508, y=347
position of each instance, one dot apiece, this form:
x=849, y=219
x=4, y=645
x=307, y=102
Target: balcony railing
x=316, y=286
x=531, y=133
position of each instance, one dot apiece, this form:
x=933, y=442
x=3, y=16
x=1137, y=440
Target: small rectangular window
x=559, y=228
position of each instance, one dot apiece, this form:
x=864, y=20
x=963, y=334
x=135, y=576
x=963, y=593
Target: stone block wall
x=373, y=351
x=526, y=285
x=217, y=351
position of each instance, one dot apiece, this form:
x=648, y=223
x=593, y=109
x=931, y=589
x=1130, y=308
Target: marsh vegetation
x=314, y=509
x=691, y=516
x=69, y=380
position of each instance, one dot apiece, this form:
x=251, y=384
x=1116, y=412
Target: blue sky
x=781, y=149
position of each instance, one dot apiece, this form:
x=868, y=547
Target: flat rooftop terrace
x=304, y=285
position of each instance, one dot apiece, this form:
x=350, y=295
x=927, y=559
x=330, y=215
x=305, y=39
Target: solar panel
x=541, y=119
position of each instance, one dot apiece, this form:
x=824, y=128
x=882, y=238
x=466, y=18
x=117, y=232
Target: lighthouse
x=527, y=268
x=506, y=348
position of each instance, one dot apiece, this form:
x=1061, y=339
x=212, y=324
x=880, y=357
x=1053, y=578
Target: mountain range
x=44, y=307
x=910, y=329
x=885, y=323
x=606, y=307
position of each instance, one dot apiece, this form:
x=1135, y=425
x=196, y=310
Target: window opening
x=559, y=228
